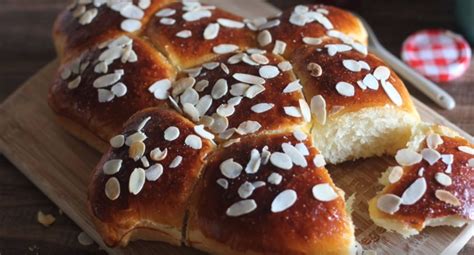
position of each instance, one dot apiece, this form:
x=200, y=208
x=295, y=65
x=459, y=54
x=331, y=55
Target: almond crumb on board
x=84, y=239
x=45, y=219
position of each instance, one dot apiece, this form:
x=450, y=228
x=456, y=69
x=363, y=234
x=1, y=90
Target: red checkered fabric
x=440, y=55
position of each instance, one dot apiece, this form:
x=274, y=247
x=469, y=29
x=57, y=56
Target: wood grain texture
x=26, y=46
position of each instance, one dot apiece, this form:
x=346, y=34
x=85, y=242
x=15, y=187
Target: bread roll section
x=234, y=122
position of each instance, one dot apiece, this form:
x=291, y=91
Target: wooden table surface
x=25, y=46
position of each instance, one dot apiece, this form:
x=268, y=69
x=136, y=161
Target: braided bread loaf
x=216, y=129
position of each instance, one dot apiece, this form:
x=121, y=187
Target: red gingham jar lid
x=440, y=55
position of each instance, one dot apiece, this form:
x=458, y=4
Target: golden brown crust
x=105, y=119
x=275, y=119
x=189, y=52
x=293, y=35
x=429, y=207
x=333, y=72
x=308, y=227
x=160, y=205
x=70, y=37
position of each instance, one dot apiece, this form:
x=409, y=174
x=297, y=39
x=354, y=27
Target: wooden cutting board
x=60, y=166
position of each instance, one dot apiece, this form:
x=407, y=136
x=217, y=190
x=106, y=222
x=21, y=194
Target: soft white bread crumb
x=368, y=132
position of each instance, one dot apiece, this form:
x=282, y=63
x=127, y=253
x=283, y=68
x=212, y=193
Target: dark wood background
x=25, y=46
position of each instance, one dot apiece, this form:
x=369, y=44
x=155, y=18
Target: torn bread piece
x=431, y=186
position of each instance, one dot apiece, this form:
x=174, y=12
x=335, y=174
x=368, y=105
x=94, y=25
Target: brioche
x=97, y=91
x=188, y=42
x=357, y=113
x=216, y=129
x=431, y=186
x=142, y=184
x=76, y=29
x=308, y=24
x=266, y=205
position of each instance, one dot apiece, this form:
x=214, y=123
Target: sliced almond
x=184, y=34
x=430, y=155
x=171, y=133
x=324, y=192
x=135, y=137
x=223, y=183
x=370, y=82
x=392, y=93
x=447, y=197
x=345, y=89
x=414, y=192
x=433, y=141
x=285, y=66
x=274, y=178
x=292, y=111
x=293, y=86
x=242, y=207
x=248, y=78
x=245, y=190
x=269, y=72
x=248, y=127
x=305, y=110
x=137, y=181
x=319, y=161
x=199, y=129
x=130, y=25
x=191, y=111
x=351, y=65
x=395, y=174
x=45, y=219
x=281, y=160
x=295, y=155
x=254, y=91
x=254, y=163
x=136, y=150
x=112, y=167
x=382, y=73
x=212, y=31
x=318, y=108
x=230, y=169
x=176, y=162
x=279, y=48
x=225, y=48
x=160, y=89
x=314, y=69
x=158, y=155
x=154, y=172
x=466, y=149
x=193, y=141
x=230, y=23
x=389, y=203
x=220, y=89
x=262, y=107
x=312, y=40
x=117, y=141
x=284, y=200
x=408, y=157
x=300, y=135
x=443, y=179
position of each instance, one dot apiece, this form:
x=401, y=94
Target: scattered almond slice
x=84, y=239
x=414, y=192
x=45, y=219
